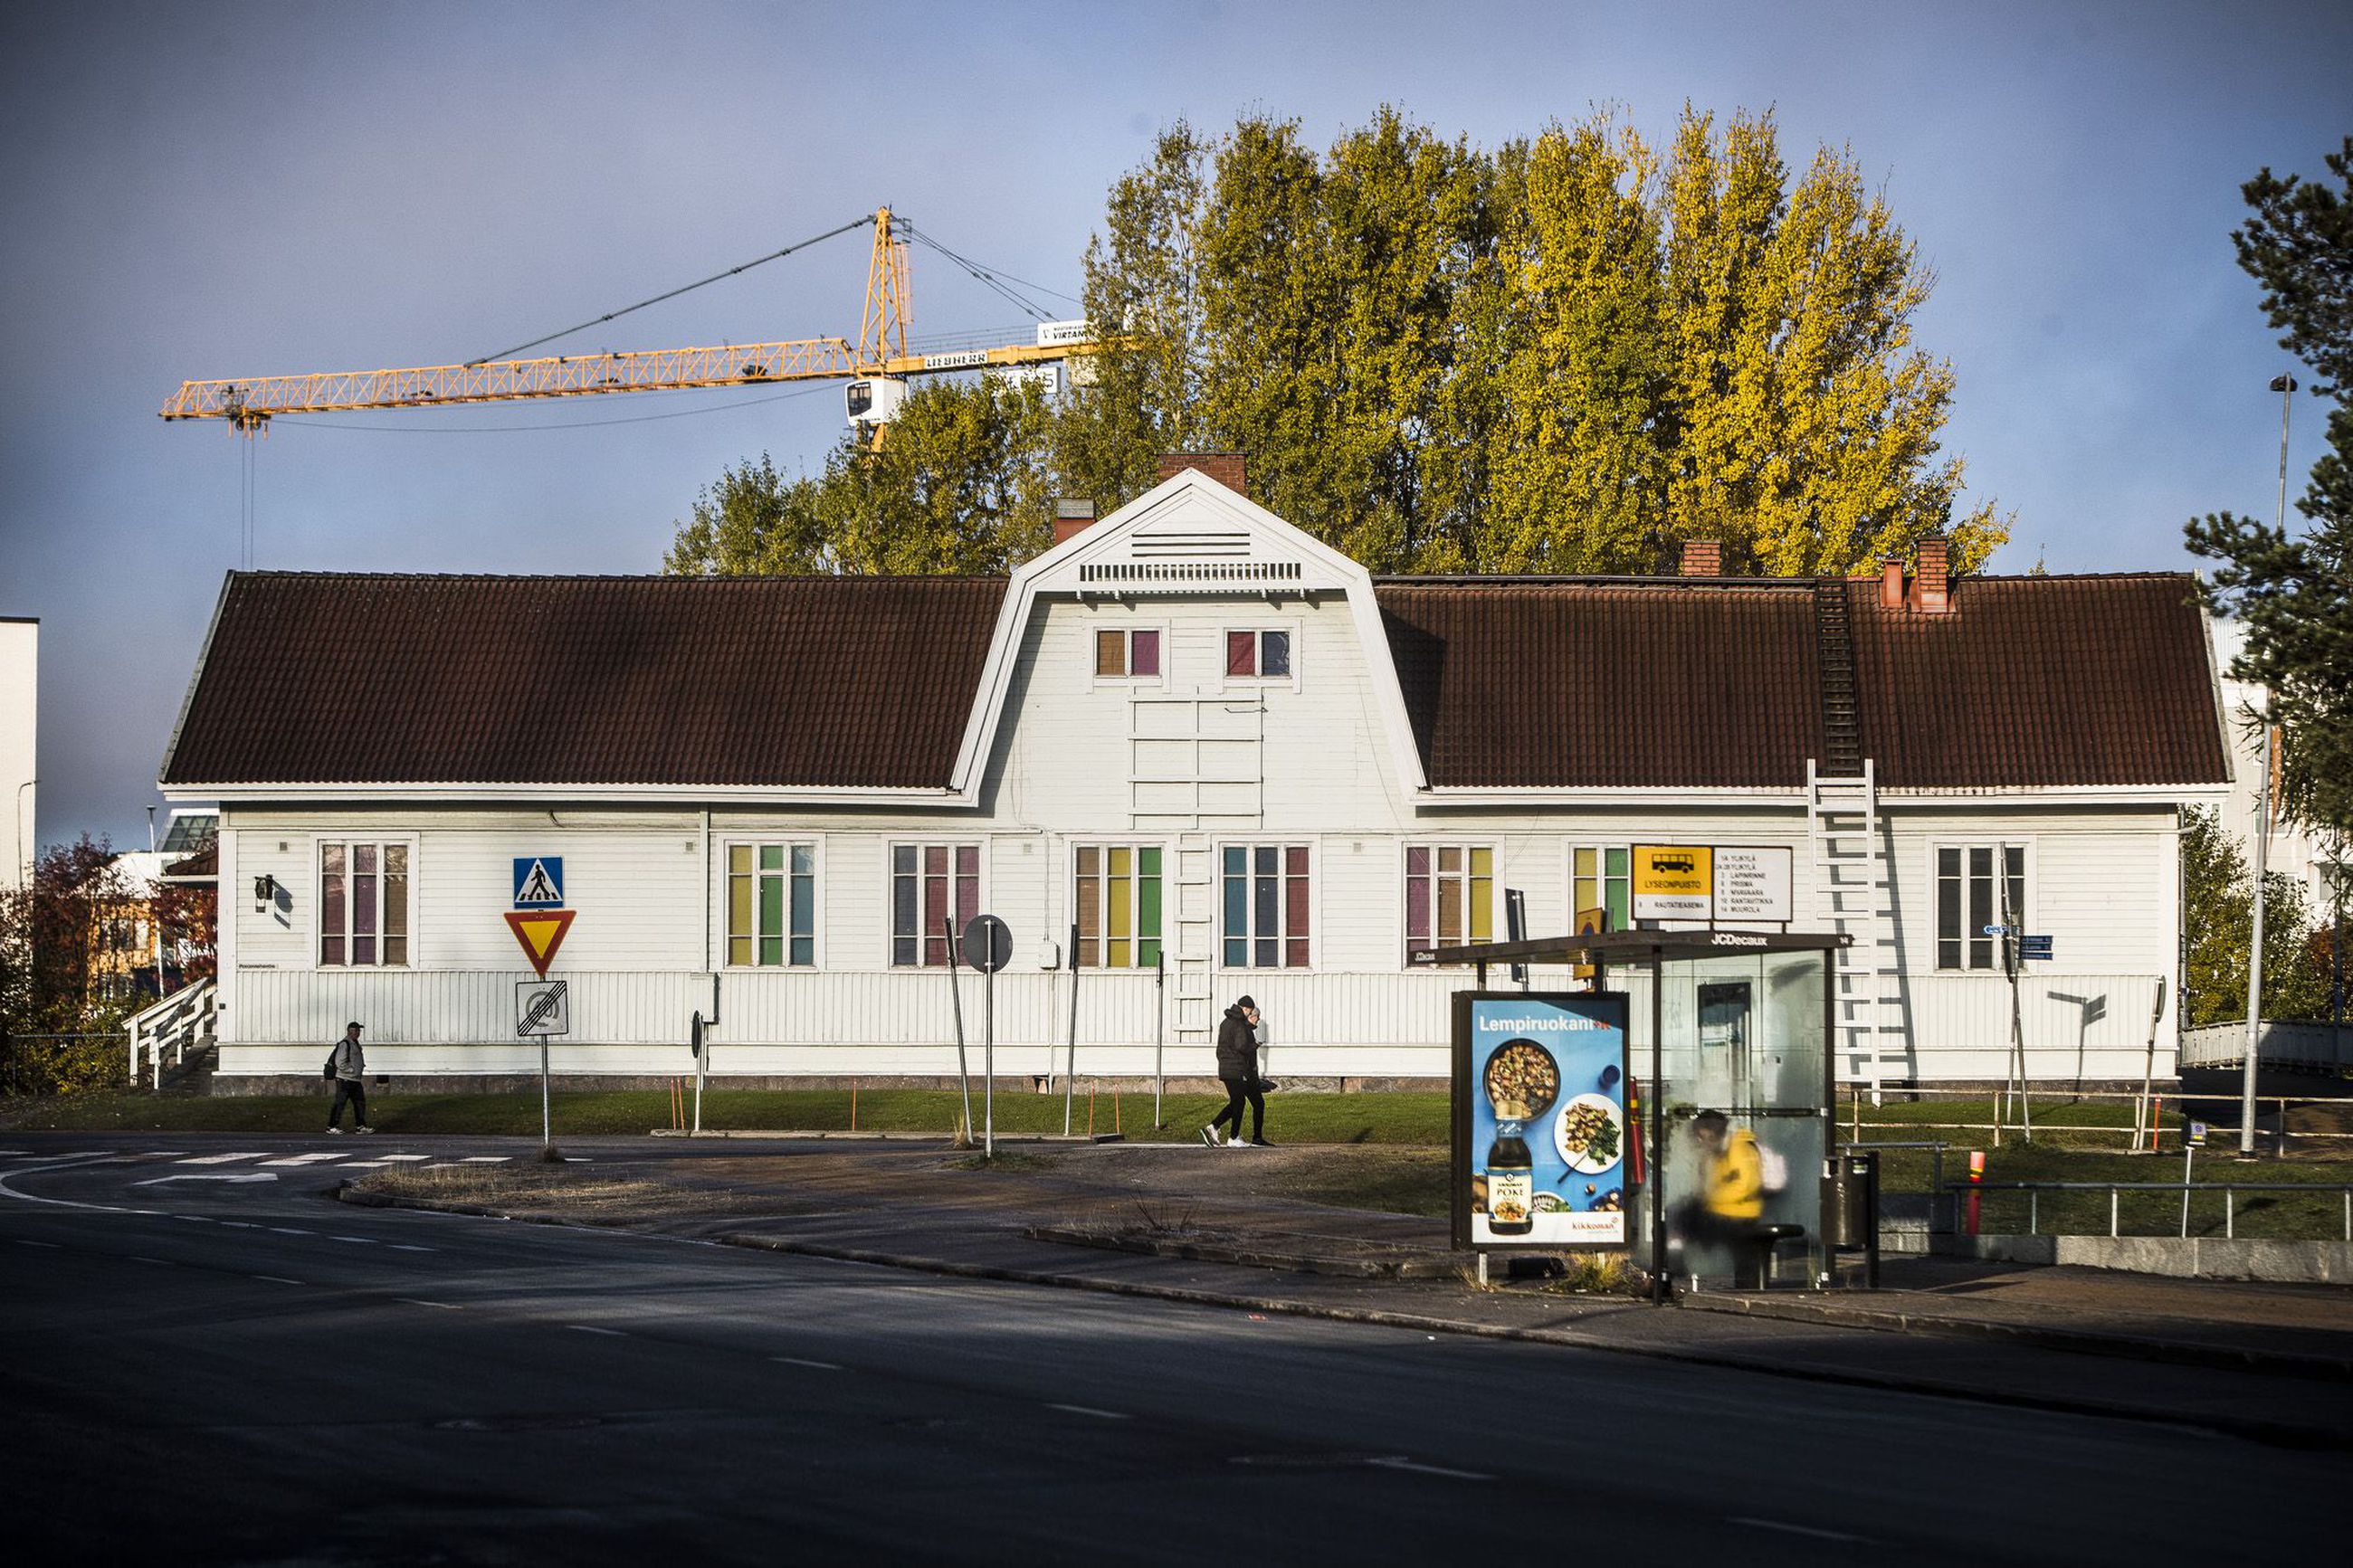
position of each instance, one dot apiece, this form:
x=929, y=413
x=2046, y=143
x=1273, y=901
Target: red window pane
x=1241, y=653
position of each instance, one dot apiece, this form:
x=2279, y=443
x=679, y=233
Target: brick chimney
x=1072, y=518
x=1891, y=582
x=1226, y=468
x=1703, y=558
x=1932, y=589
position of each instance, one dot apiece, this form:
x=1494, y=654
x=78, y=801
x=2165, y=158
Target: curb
x=848, y=1137
x=2178, y=1352
x=1417, y=1265
x=2277, y=1434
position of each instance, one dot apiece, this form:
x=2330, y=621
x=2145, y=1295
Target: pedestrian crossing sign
x=539, y=881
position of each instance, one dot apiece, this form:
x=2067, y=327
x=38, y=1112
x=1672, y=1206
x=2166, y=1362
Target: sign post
x=955, y=1000
x=1159, y=1031
x=542, y=1008
x=988, y=947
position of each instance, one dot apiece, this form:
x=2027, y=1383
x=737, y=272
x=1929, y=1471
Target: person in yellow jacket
x=1733, y=1196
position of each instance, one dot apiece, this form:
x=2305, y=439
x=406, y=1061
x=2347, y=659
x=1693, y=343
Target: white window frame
x=318, y=921
x=1128, y=629
x=815, y=845
x=1288, y=626
x=2024, y=917
x=1314, y=932
x=891, y=891
x=1405, y=876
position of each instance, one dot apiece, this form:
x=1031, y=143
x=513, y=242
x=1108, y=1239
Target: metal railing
x=2230, y=1191
x=2014, y=1110
x=173, y=1024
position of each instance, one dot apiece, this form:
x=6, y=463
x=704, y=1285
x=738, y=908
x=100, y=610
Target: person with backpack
x=347, y=1065
x=1237, y=1071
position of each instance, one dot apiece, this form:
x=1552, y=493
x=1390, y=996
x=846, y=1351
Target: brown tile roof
x=2031, y=681
x=2040, y=680
x=1608, y=684
x=332, y=678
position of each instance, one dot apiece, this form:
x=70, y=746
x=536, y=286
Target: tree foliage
x=2294, y=591
x=2219, y=899
x=1565, y=353
x=59, y=935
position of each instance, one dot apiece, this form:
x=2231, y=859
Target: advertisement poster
x=1542, y=1135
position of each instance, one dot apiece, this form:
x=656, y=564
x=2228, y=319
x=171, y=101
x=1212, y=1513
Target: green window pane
x=772, y=857
x=1147, y=918
x=772, y=951
x=1147, y=861
x=772, y=906
x=1614, y=862
x=1620, y=906
x=1147, y=954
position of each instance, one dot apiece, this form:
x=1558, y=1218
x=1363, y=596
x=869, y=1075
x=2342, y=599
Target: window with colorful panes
x=933, y=886
x=1266, y=905
x=1450, y=895
x=1600, y=878
x=772, y=905
x=1117, y=902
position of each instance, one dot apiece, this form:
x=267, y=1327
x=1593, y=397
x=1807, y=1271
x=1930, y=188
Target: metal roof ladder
x=1856, y=887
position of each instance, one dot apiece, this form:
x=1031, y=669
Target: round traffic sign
x=987, y=943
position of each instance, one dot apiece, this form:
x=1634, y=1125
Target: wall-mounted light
x=265, y=892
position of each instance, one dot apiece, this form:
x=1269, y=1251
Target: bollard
x=853, y=1105
x=1091, y=1110
x=1977, y=1175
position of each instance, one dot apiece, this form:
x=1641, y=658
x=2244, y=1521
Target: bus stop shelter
x=1728, y=1038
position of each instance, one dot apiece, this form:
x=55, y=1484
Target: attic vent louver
x=1189, y=542
x=1192, y=572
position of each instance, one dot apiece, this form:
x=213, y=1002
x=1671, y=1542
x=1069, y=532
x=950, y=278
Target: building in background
x=1189, y=742
x=2293, y=851
x=20, y=705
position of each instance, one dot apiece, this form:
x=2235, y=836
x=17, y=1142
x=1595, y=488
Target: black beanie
x=1245, y=1002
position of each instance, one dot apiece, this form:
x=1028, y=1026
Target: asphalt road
x=206, y=1370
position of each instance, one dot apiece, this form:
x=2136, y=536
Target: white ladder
x=1858, y=891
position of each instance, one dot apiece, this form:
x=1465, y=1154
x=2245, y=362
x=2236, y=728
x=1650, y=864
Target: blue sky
x=236, y=189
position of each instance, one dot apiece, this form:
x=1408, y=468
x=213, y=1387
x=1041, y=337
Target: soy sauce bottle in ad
x=1511, y=1182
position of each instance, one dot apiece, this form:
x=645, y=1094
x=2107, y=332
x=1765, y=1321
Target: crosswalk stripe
x=302, y=1159
x=485, y=1158
x=225, y=1159
x=391, y=1157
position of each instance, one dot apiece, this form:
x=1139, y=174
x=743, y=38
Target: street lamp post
x=2285, y=386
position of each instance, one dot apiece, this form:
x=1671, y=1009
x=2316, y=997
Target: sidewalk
x=2267, y=1362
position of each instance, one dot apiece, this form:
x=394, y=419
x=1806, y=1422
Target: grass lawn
x=1290, y=1117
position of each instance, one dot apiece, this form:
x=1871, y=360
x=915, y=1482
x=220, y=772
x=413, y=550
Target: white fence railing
x=172, y=1027
x=2280, y=1045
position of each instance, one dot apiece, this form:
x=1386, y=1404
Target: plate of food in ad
x=1588, y=1133
x=1522, y=1080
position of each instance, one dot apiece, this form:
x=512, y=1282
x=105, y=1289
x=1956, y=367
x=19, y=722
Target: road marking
x=156, y=1154
x=209, y=1177
x=161, y=1263
x=288, y=1230
x=796, y=1361
x=485, y=1158
x=414, y=1301
x=1395, y=1462
x=409, y=1156
x=1091, y=1410
x=362, y=1165
x=225, y=1159
x=404, y=1246
x=588, y=1328
x=44, y=1246
x=277, y=1280
x=195, y=1218
x=242, y=1225
x=304, y=1159
x=361, y=1240
x=1796, y=1529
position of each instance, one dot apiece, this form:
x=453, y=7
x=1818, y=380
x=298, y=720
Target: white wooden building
x=1205, y=740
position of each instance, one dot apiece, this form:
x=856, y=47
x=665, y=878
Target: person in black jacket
x=1237, y=1071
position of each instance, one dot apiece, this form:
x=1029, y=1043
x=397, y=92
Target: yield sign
x=540, y=932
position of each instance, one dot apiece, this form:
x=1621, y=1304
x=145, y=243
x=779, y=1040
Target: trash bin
x=1853, y=1219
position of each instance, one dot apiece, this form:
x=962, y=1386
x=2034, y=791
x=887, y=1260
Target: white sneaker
x=362, y=1128
x=1212, y=1137
x=335, y=1132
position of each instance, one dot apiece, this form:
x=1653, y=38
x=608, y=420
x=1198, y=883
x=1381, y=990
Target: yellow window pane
x=739, y=859
x=1482, y=899
x=1482, y=862
x=1450, y=910
x=1119, y=899
x=1116, y=956
x=1110, y=653
x=1122, y=861
x=739, y=950
x=739, y=906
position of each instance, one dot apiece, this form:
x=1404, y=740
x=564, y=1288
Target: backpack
x=1772, y=1170
x=328, y=1072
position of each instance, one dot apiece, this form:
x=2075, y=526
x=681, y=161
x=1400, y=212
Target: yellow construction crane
x=876, y=365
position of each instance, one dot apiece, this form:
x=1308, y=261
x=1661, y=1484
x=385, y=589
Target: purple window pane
x=935, y=859
x=1417, y=910
x=1294, y=910
x=1146, y=656
x=967, y=859
x=1295, y=953
x=1416, y=861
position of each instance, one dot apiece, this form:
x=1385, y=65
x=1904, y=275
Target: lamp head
x=2283, y=384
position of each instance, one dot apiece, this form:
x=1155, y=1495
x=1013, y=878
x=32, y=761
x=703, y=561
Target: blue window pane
x=1270, y=860
x=804, y=951
x=1266, y=958
x=1269, y=893
x=903, y=859
x=1236, y=906
x=1274, y=653
x=1237, y=953
x=804, y=860
x=804, y=906
x=1237, y=860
